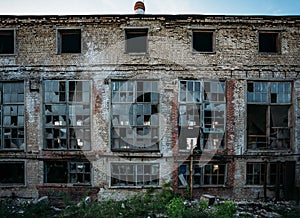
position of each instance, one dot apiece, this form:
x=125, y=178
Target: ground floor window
x=67, y=172
x=12, y=173
x=209, y=174
x=140, y=174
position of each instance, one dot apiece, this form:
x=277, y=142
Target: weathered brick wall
x=169, y=57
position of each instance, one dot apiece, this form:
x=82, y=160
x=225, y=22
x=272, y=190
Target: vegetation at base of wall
x=164, y=203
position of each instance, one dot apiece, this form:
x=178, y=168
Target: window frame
x=132, y=177
x=69, y=127
x=267, y=101
x=144, y=32
x=133, y=123
x=19, y=103
x=15, y=184
x=213, y=41
x=278, y=42
x=200, y=175
x=14, y=41
x=203, y=99
x=59, y=39
x=68, y=171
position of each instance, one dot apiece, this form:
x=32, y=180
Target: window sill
x=7, y=55
x=13, y=185
x=11, y=150
x=269, y=53
x=204, y=52
x=137, y=53
x=66, y=185
x=135, y=187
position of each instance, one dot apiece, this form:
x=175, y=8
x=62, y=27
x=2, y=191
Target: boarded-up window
x=7, y=41
x=12, y=173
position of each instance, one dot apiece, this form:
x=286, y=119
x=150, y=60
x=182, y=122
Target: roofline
x=169, y=16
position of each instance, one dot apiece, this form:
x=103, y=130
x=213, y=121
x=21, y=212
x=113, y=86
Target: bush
x=226, y=209
x=176, y=208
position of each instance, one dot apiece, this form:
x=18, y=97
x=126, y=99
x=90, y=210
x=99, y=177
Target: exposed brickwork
x=169, y=58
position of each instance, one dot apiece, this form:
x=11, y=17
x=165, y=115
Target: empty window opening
x=136, y=41
x=7, y=41
x=135, y=120
x=67, y=114
x=269, y=115
x=134, y=174
x=203, y=41
x=12, y=173
x=269, y=42
x=12, y=115
x=67, y=172
x=69, y=41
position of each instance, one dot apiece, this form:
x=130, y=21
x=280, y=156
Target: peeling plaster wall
x=169, y=57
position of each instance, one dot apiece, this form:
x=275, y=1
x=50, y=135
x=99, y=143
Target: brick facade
x=169, y=59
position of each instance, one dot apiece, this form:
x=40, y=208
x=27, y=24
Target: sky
x=211, y=7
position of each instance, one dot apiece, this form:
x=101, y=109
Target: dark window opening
x=69, y=41
x=203, y=41
x=12, y=173
x=255, y=173
x=136, y=41
x=7, y=42
x=67, y=172
x=269, y=42
x=269, y=115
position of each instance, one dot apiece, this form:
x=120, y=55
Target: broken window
x=67, y=114
x=201, y=114
x=209, y=174
x=12, y=173
x=67, y=172
x=135, y=120
x=269, y=115
x=136, y=40
x=69, y=41
x=273, y=173
x=7, y=41
x=255, y=174
x=12, y=115
x=134, y=174
x=203, y=41
x=269, y=42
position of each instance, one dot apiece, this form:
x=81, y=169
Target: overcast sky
x=74, y=7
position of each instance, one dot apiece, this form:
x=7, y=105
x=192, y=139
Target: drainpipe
x=191, y=173
x=265, y=181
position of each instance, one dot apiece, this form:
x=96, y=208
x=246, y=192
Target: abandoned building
x=110, y=105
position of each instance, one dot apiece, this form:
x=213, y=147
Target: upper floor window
x=269, y=42
x=135, y=120
x=139, y=174
x=12, y=115
x=7, y=41
x=67, y=114
x=201, y=114
x=68, y=41
x=269, y=119
x=12, y=173
x=203, y=41
x=136, y=40
x=67, y=172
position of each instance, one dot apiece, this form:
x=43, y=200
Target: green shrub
x=226, y=209
x=176, y=208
